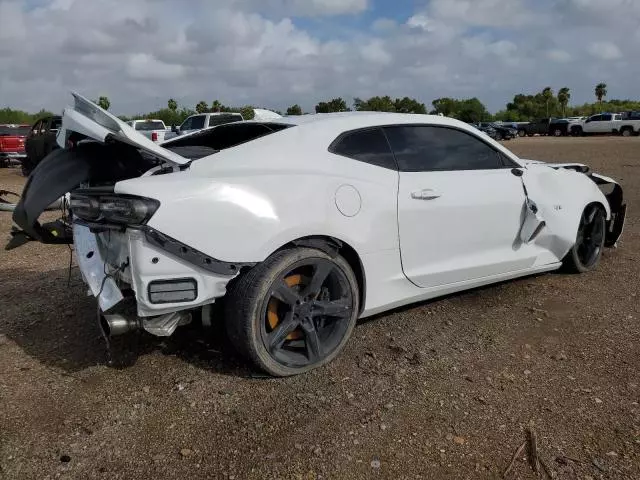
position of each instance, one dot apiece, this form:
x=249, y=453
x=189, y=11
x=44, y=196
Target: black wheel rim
x=590, y=236
x=313, y=303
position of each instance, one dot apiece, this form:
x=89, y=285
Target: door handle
x=426, y=194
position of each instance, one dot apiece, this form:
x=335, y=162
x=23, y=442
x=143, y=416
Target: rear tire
x=557, y=132
x=626, y=132
x=284, y=317
x=585, y=254
x=522, y=133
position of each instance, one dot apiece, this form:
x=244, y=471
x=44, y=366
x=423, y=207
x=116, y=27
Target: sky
x=275, y=53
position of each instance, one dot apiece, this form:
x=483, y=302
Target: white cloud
x=559, y=55
x=142, y=52
x=143, y=66
x=604, y=50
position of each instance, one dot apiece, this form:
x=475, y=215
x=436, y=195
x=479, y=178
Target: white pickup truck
x=201, y=121
x=156, y=130
x=607, y=123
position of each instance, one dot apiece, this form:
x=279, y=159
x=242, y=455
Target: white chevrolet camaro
x=302, y=225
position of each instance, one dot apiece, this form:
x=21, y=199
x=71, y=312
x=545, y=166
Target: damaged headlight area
x=120, y=209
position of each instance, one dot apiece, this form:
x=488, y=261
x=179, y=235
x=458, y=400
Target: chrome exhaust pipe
x=114, y=325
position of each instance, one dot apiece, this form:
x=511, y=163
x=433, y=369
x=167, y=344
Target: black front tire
x=592, y=227
x=250, y=295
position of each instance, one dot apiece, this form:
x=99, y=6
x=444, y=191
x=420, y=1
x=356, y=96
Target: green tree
x=335, y=105
x=409, y=105
x=467, y=110
x=172, y=104
x=564, y=96
x=8, y=115
x=248, y=112
x=601, y=92
x=202, y=106
x=375, y=104
x=294, y=110
x=445, y=106
x=547, y=95
x=473, y=110
x=103, y=102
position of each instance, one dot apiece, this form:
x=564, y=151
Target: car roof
x=352, y=120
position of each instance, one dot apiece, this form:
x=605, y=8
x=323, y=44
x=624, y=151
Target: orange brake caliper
x=272, y=308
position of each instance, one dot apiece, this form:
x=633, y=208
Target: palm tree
x=563, y=99
x=547, y=94
x=216, y=106
x=601, y=92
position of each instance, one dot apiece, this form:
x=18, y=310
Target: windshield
x=20, y=131
x=215, y=120
x=150, y=125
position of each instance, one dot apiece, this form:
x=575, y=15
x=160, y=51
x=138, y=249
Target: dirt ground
x=441, y=390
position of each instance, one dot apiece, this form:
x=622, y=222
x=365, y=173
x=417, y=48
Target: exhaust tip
x=115, y=325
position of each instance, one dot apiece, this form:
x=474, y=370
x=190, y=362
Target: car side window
x=606, y=118
x=596, y=118
x=197, y=122
x=369, y=146
x=425, y=148
x=186, y=125
x=36, y=128
x=56, y=123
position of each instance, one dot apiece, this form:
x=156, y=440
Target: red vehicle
x=12, y=143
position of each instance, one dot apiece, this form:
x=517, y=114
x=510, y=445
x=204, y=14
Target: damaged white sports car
x=304, y=224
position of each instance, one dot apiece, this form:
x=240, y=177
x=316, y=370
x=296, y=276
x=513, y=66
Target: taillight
x=154, y=136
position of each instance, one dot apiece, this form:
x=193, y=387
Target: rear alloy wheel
x=626, y=132
x=585, y=254
x=293, y=312
x=557, y=132
x=521, y=133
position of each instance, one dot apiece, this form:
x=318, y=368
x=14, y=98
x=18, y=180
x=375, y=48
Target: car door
x=186, y=126
x=593, y=124
x=30, y=142
x=51, y=133
x=460, y=208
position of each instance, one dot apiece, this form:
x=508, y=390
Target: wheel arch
x=333, y=246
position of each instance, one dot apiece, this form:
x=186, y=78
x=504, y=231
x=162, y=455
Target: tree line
x=523, y=107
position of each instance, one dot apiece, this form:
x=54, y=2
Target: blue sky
x=274, y=53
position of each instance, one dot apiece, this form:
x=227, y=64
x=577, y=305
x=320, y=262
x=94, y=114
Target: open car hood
x=88, y=119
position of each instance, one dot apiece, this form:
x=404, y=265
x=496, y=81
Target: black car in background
x=500, y=132
x=40, y=142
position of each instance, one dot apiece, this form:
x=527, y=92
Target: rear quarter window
x=368, y=146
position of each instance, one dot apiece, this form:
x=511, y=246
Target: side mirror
x=518, y=172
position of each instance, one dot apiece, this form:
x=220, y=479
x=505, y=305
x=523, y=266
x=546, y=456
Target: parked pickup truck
x=540, y=126
x=12, y=143
x=607, y=123
x=204, y=120
x=156, y=130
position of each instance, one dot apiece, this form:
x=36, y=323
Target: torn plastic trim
x=615, y=225
x=172, y=246
x=191, y=255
